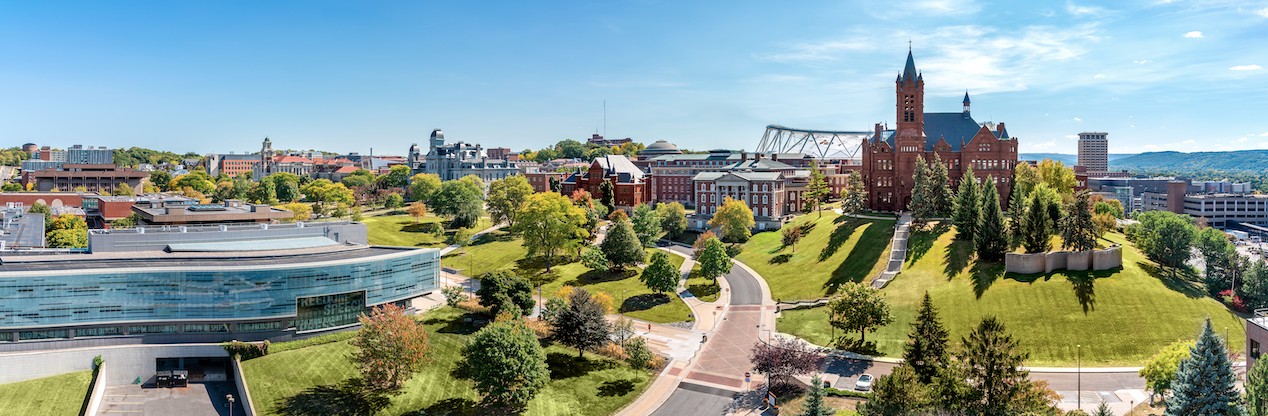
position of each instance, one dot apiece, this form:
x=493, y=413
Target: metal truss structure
x=820, y=144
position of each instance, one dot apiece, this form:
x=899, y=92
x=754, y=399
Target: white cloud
x=1193, y=35
x=1132, y=126
x=1072, y=136
x=1142, y=62
x=1098, y=76
x=1151, y=146
x=1245, y=68
x=1264, y=134
x=947, y=7
x=1078, y=119
x=1048, y=145
x=817, y=52
x=1243, y=139
x=1262, y=12
x=1077, y=10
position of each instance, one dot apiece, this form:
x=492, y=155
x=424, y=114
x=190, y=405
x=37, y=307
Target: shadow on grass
x=568, y=366
x=466, y=324
x=781, y=259
x=805, y=230
x=422, y=227
x=984, y=274
x=862, y=258
x=920, y=241
x=848, y=343
x=491, y=237
x=1182, y=281
x=349, y=398
x=1081, y=282
x=644, y=302
x=704, y=290
x=594, y=277
x=616, y=388
x=956, y=258
x=839, y=236
x=467, y=407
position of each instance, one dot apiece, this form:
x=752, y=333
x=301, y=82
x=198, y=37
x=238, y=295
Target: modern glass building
x=74, y=296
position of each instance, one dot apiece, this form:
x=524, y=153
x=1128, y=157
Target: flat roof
x=254, y=245
x=126, y=260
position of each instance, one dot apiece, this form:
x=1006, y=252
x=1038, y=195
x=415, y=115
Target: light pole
x=229, y=397
x=1078, y=353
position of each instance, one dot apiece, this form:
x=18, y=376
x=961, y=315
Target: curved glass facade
x=168, y=291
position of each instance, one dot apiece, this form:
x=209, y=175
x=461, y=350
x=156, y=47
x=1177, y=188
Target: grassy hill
x=52, y=396
x=1120, y=317
x=835, y=250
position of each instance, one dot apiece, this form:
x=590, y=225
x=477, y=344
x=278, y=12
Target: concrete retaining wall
x=98, y=391
x=126, y=362
x=244, y=394
x=1068, y=260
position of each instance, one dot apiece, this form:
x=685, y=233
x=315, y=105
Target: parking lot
x=198, y=399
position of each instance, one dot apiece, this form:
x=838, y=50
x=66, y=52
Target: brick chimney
x=743, y=155
x=999, y=128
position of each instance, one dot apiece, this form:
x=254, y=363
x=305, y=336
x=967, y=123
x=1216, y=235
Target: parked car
x=864, y=383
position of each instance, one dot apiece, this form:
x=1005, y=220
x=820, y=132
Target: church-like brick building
x=889, y=156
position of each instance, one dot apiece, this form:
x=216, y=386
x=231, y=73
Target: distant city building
x=79, y=154
x=50, y=154
x=658, y=148
x=95, y=178
x=540, y=180
x=51, y=199
x=231, y=164
x=30, y=148
x=889, y=156
x=1094, y=152
x=498, y=152
x=596, y=139
x=1220, y=210
x=271, y=162
x=629, y=183
x=455, y=160
x=31, y=165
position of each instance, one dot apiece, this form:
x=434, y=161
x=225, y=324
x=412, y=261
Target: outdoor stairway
x=897, y=253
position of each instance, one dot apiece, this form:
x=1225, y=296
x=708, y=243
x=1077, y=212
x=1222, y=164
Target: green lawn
x=1120, y=317
x=836, y=250
x=704, y=288
x=401, y=230
x=50, y=396
x=501, y=251
x=319, y=375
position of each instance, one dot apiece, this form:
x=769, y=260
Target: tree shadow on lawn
x=564, y=366
x=861, y=261
x=349, y=398
x=848, y=343
x=702, y=290
x=1082, y=282
x=466, y=407
x=781, y=259
x=1182, y=281
x=920, y=241
x=422, y=227
x=805, y=230
x=839, y=236
x=491, y=237
x=595, y=277
x=466, y=324
x=644, y=302
x=616, y=388
x=984, y=274
x=956, y=258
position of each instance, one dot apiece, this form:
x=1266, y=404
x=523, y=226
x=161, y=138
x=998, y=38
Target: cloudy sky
x=348, y=76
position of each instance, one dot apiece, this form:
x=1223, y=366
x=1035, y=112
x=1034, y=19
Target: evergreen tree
x=1257, y=389
x=991, y=240
x=621, y=246
x=967, y=205
x=855, y=199
x=1078, y=232
x=607, y=195
x=817, y=190
x=940, y=187
x=660, y=276
x=814, y=404
x=898, y=393
x=581, y=325
x=992, y=358
x=926, y=350
x=1204, y=384
x=1035, y=227
x=922, y=199
x=1103, y=410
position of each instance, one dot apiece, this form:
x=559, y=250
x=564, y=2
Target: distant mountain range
x=1234, y=161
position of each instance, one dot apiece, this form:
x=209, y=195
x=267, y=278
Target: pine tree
x=1257, y=389
x=1078, y=232
x=1035, y=228
x=898, y=393
x=817, y=189
x=607, y=195
x=1103, y=410
x=814, y=404
x=581, y=325
x=855, y=199
x=967, y=205
x=992, y=358
x=940, y=187
x=1204, y=384
x=926, y=350
x=991, y=240
x=922, y=198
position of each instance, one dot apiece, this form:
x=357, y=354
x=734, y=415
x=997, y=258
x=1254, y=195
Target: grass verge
x=833, y=250
x=50, y=396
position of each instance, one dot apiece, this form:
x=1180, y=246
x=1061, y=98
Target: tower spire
x=909, y=70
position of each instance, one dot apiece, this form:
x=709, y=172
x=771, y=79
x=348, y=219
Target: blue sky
x=347, y=76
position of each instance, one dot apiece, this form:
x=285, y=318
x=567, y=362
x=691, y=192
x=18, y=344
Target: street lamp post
x=229, y=397
x=1079, y=359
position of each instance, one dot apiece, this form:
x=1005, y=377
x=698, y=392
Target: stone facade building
x=453, y=161
x=889, y=156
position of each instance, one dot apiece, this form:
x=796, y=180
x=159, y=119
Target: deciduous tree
x=299, y=211
x=393, y=201
x=713, y=259
x=1057, y=176
x=503, y=290
x=507, y=197
x=734, y=220
x=1165, y=237
x=1160, y=370
x=506, y=363
x=549, y=223
x=673, y=218
x=646, y=224
x=390, y=347
x=593, y=258
x=791, y=235
x=783, y=358
x=417, y=209
x=698, y=246
x=660, y=276
x=581, y=325
x=423, y=185
x=621, y=245
x=461, y=201
x=858, y=307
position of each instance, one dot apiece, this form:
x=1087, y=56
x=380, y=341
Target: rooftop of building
x=742, y=174
x=20, y=229
x=175, y=210
x=25, y=262
x=724, y=154
x=1259, y=317
x=1224, y=195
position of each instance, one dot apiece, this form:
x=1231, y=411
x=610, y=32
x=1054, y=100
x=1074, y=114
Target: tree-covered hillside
x=1255, y=161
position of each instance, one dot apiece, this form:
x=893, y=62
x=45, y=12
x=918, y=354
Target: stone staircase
x=897, y=253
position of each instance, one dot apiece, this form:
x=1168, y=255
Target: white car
x=864, y=383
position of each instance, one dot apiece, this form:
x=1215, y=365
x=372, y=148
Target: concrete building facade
x=1094, y=152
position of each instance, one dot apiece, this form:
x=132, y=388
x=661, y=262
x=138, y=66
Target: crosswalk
x=1119, y=401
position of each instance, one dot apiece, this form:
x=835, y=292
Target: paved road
x=696, y=400
x=744, y=287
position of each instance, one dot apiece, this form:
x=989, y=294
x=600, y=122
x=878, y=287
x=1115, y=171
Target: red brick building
x=629, y=184
x=889, y=156
x=541, y=180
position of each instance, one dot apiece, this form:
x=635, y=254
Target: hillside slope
x=1238, y=161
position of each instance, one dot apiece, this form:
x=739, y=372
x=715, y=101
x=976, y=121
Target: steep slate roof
x=953, y=127
x=909, y=71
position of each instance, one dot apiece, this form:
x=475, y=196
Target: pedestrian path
x=897, y=252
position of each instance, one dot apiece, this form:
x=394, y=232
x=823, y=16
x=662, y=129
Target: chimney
x=878, y=131
x=999, y=127
x=743, y=155
x=757, y=156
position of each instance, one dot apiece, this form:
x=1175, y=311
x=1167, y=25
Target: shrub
x=846, y=393
x=454, y=295
x=96, y=363
x=614, y=351
x=733, y=250
x=474, y=306
x=541, y=328
x=1233, y=300
x=637, y=354
x=244, y=350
